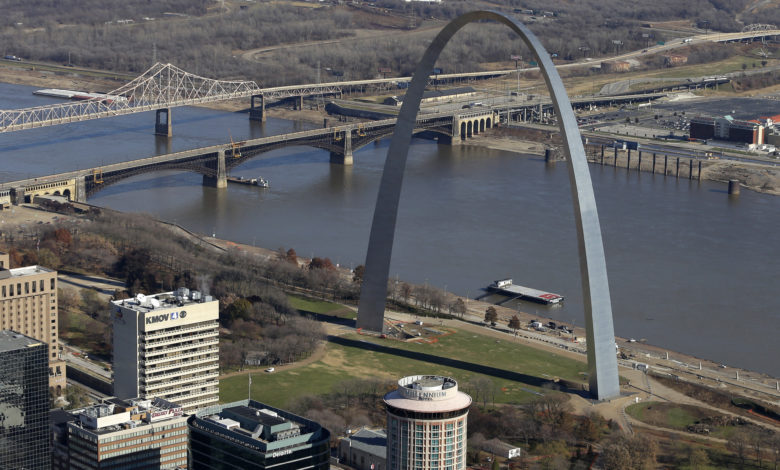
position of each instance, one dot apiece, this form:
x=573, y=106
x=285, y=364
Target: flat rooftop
x=179, y=298
x=11, y=341
x=25, y=271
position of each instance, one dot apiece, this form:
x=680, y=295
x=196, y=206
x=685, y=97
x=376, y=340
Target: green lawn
x=321, y=306
x=516, y=371
x=314, y=306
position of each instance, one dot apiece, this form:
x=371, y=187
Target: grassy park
x=518, y=372
x=679, y=417
x=321, y=307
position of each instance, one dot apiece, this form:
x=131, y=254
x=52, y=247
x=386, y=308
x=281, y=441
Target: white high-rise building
x=166, y=346
x=426, y=424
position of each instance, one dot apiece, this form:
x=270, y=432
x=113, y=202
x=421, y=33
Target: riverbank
x=754, y=176
x=679, y=364
x=20, y=218
x=49, y=79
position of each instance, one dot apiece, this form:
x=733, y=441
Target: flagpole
x=250, y=385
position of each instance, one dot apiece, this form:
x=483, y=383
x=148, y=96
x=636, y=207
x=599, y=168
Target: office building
x=248, y=435
x=24, y=402
x=426, y=424
x=166, y=346
x=28, y=304
x=365, y=449
x=124, y=434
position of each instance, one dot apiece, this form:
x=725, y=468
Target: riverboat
x=506, y=287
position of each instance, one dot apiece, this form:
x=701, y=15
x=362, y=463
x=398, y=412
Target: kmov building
x=426, y=424
x=167, y=346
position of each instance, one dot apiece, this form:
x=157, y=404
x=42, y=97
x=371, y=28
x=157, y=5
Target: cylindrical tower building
x=426, y=424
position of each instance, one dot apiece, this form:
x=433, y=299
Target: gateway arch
x=602, y=361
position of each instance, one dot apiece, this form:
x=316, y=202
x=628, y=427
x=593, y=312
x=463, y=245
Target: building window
x=41, y=285
x=26, y=287
x=34, y=285
x=18, y=288
x=10, y=290
x=52, y=283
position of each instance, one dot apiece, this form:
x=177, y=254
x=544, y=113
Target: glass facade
x=427, y=444
x=208, y=451
x=249, y=435
x=24, y=403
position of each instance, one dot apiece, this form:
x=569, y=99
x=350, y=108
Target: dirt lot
x=46, y=79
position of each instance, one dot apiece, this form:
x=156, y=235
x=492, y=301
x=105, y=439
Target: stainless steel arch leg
x=602, y=361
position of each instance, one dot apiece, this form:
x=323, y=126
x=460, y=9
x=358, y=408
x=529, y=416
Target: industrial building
x=365, y=449
x=167, y=346
x=28, y=304
x=249, y=435
x=728, y=129
x=121, y=434
x=426, y=424
x=24, y=402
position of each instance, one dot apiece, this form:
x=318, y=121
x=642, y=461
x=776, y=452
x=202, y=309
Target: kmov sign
x=150, y=319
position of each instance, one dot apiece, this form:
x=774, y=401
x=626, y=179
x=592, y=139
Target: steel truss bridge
x=165, y=86
x=162, y=86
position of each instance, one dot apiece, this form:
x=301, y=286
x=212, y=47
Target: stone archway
x=602, y=361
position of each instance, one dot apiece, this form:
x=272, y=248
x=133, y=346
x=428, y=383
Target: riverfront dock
x=506, y=287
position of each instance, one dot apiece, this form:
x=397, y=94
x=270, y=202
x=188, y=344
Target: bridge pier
x=81, y=189
x=220, y=180
x=17, y=195
x=257, y=113
x=299, y=103
x=344, y=157
x=161, y=127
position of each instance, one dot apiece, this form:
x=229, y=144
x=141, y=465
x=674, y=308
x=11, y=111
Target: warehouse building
x=727, y=129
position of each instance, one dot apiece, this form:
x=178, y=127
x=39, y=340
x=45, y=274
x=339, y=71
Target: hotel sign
x=156, y=415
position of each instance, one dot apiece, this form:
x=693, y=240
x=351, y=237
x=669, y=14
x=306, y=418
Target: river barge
x=78, y=95
x=259, y=182
x=506, y=287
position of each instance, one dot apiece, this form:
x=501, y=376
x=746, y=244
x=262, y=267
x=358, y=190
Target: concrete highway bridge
x=215, y=161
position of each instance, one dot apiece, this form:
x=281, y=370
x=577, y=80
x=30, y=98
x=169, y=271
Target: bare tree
x=458, y=307
x=491, y=315
x=514, y=323
x=738, y=444
x=698, y=458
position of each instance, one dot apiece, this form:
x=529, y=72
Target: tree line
x=210, y=45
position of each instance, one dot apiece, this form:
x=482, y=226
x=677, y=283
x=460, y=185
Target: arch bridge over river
x=214, y=162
